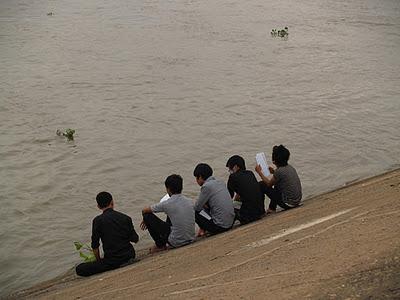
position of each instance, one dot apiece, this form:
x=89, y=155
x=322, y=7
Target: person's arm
x=146, y=210
x=134, y=236
x=269, y=181
x=236, y=197
x=96, y=239
x=231, y=186
x=204, y=196
x=155, y=208
x=96, y=253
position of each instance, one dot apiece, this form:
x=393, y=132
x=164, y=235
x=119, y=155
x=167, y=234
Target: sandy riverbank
x=342, y=244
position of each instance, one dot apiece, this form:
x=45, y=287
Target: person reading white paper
x=284, y=186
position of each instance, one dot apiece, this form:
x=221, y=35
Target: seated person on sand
x=179, y=228
x=116, y=232
x=284, y=186
x=247, y=189
x=215, y=199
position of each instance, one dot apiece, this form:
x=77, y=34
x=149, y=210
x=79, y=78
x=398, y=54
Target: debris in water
x=69, y=133
x=280, y=33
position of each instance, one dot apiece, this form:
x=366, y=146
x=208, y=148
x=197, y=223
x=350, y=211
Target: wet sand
x=342, y=244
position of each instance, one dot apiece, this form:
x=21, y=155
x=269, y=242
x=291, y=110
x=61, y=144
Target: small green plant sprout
x=85, y=252
x=69, y=133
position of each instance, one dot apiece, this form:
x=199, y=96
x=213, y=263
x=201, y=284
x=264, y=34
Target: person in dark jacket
x=244, y=187
x=116, y=232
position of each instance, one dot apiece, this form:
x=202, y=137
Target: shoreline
x=238, y=246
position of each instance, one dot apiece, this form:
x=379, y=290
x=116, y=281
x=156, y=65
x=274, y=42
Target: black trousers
x=208, y=225
x=91, y=268
x=246, y=218
x=275, y=196
x=158, y=229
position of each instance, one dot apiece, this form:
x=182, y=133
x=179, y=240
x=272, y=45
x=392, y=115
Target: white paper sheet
x=205, y=214
x=165, y=198
x=262, y=161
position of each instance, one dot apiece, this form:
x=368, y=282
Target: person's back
x=179, y=227
x=245, y=184
x=114, y=230
x=180, y=211
x=214, y=211
x=288, y=183
x=219, y=202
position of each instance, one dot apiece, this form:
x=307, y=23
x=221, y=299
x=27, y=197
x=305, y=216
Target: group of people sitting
x=213, y=211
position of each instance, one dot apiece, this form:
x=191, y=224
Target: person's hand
x=271, y=169
x=236, y=197
x=201, y=233
x=258, y=170
x=143, y=226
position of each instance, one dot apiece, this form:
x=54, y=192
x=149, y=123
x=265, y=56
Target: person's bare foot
x=270, y=211
x=156, y=249
x=201, y=233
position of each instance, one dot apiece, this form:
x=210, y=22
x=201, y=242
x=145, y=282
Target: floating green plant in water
x=85, y=252
x=280, y=33
x=69, y=133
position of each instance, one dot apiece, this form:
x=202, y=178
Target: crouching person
x=215, y=200
x=116, y=232
x=179, y=228
x=284, y=187
x=247, y=189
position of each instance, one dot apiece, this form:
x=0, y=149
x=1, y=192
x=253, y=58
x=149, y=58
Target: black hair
x=202, y=170
x=280, y=155
x=103, y=199
x=174, y=183
x=236, y=160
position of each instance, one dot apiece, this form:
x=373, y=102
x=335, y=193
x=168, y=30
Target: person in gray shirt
x=284, y=187
x=215, y=200
x=179, y=228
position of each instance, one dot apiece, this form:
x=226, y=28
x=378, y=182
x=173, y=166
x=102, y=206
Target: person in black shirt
x=116, y=232
x=247, y=189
